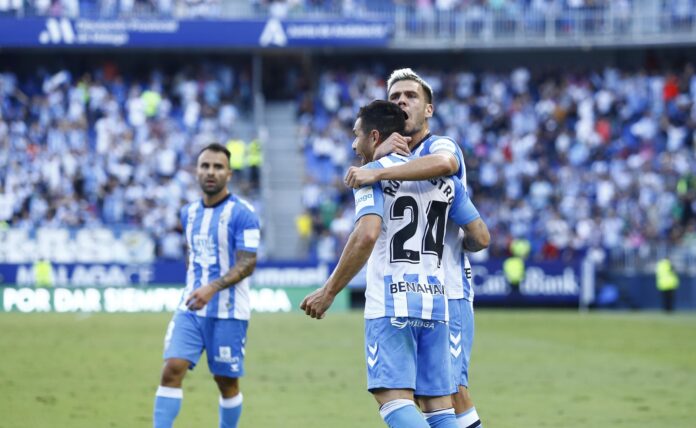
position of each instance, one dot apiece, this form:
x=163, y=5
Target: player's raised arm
x=427, y=167
x=355, y=254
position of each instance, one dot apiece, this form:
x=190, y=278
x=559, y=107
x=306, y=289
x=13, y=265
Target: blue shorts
x=223, y=340
x=408, y=353
x=461, y=338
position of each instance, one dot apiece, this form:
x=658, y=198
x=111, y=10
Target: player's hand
x=358, y=177
x=200, y=297
x=317, y=303
x=395, y=143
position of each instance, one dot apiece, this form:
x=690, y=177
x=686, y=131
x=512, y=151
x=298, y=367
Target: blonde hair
x=408, y=74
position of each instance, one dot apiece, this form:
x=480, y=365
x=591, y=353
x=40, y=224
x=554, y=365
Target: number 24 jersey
x=405, y=276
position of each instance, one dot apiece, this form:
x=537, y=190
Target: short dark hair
x=384, y=116
x=217, y=148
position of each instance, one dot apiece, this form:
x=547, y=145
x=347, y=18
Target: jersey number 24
x=433, y=237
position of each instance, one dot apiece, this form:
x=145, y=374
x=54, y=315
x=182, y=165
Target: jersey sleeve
x=183, y=216
x=369, y=199
x=463, y=210
x=247, y=232
x=446, y=145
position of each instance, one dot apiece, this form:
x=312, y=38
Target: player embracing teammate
x=414, y=221
x=437, y=156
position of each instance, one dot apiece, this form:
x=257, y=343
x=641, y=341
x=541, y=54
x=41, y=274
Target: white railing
x=488, y=28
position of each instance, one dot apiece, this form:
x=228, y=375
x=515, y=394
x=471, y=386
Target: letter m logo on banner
x=57, y=31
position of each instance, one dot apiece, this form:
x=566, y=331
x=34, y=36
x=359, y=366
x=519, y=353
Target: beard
x=212, y=190
x=412, y=131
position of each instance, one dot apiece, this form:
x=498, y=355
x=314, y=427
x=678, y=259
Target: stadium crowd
x=567, y=161
x=115, y=149
x=475, y=12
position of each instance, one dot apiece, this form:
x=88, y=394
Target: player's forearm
x=354, y=257
x=424, y=168
x=243, y=267
x=476, y=236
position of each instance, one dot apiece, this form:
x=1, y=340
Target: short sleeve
x=446, y=145
x=183, y=216
x=463, y=210
x=247, y=232
x=369, y=199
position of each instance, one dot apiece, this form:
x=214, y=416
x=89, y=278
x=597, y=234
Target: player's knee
x=228, y=386
x=173, y=372
x=429, y=404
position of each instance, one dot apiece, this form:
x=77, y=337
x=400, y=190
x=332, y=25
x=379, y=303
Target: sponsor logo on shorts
x=403, y=322
x=225, y=356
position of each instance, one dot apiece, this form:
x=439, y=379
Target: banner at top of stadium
x=271, y=33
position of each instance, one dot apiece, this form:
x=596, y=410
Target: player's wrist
x=330, y=291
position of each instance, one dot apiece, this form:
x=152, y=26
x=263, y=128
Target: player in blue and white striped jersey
x=400, y=226
x=438, y=156
x=222, y=235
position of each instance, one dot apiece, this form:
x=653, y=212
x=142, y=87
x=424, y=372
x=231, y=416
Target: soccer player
x=222, y=234
x=438, y=156
x=400, y=226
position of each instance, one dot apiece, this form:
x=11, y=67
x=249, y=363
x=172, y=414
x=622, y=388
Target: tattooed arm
x=243, y=267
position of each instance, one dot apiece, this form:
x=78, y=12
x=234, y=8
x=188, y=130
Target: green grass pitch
x=530, y=369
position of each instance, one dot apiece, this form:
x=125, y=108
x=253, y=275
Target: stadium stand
x=105, y=148
x=582, y=158
x=572, y=161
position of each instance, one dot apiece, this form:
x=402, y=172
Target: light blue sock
x=167, y=405
x=469, y=419
x=441, y=418
x=402, y=413
x=230, y=411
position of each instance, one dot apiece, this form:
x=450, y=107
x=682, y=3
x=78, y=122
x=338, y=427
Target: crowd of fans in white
x=567, y=161
x=107, y=149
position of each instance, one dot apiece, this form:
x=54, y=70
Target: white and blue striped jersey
x=456, y=262
x=213, y=235
x=405, y=274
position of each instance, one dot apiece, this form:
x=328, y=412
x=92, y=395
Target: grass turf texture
x=530, y=369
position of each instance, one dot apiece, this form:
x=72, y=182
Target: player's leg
x=434, y=380
x=398, y=409
x=183, y=345
x=230, y=401
x=460, y=343
x=225, y=345
x=390, y=354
